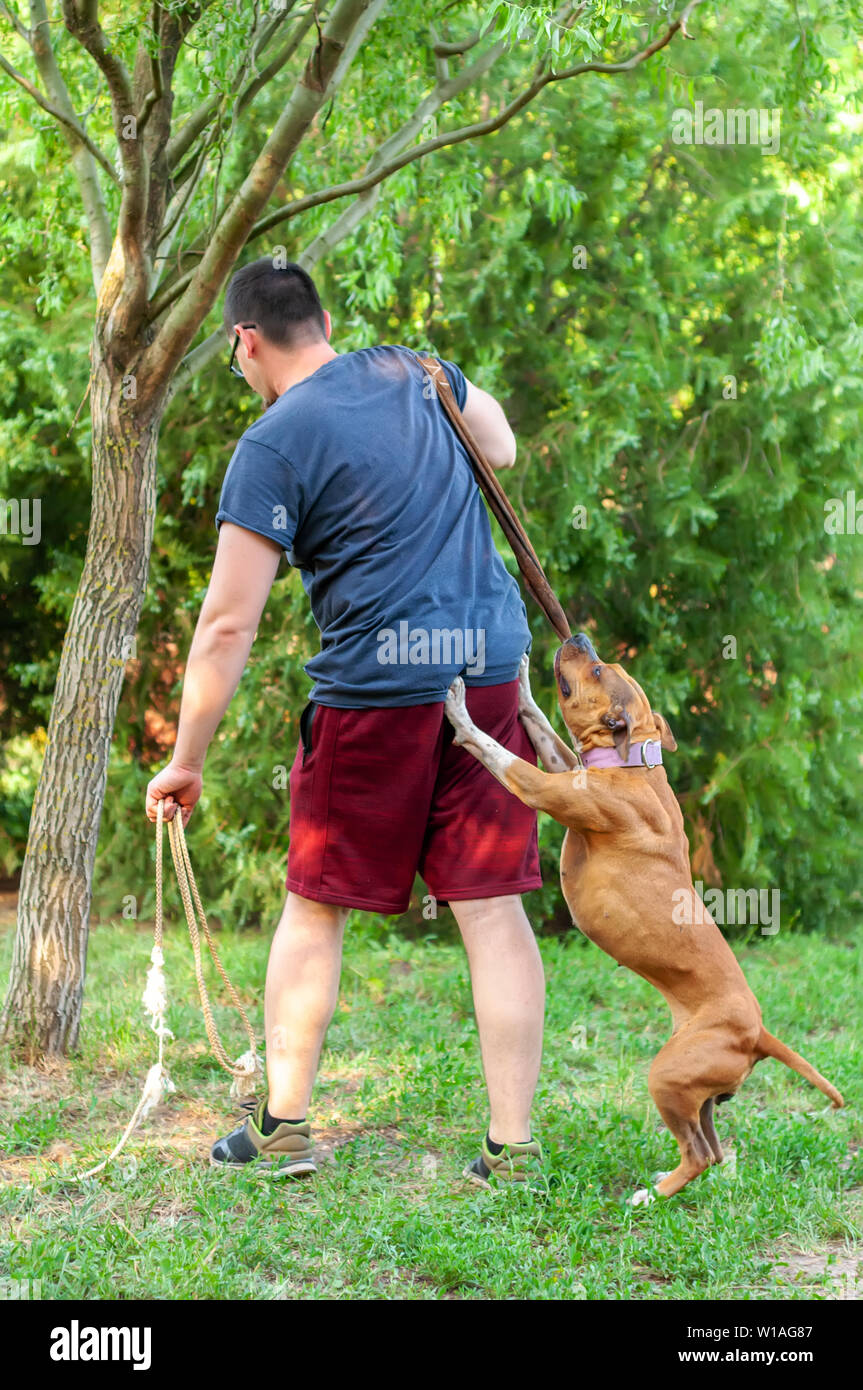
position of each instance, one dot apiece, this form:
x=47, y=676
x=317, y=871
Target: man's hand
x=175, y=786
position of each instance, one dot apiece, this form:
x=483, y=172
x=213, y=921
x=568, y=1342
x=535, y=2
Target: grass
x=399, y=1108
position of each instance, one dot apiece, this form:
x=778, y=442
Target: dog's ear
x=667, y=739
x=621, y=732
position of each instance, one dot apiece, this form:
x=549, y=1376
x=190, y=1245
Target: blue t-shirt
x=358, y=474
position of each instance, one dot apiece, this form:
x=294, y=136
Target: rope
x=195, y=919
x=247, y=1071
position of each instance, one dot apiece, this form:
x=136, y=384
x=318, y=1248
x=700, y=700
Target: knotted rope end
x=155, y=996
x=248, y=1076
x=157, y=1085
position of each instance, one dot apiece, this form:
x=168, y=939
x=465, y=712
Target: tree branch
x=445, y=88
x=367, y=186
x=362, y=206
x=307, y=98
x=442, y=93
x=173, y=218
x=155, y=72
x=451, y=50
x=85, y=156
x=182, y=142
x=196, y=164
x=277, y=62
x=82, y=21
x=438, y=97
x=15, y=21
x=173, y=288
x=472, y=132
x=126, y=268
x=68, y=121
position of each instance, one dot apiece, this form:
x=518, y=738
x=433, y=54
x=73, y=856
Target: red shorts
x=379, y=795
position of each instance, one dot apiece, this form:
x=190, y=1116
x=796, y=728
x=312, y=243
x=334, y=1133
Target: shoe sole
x=303, y=1168
x=480, y=1181
x=476, y=1178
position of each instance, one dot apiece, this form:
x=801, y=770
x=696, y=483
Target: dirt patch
x=8, y=909
x=349, y=1082
x=170, y=1211
x=833, y=1270
x=651, y=1275
x=396, y=1281
x=48, y=1079
x=180, y=1135
x=337, y=1136
x=19, y=1169
x=179, y=1132
x=175, y=1134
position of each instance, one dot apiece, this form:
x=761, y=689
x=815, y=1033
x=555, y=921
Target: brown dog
x=624, y=871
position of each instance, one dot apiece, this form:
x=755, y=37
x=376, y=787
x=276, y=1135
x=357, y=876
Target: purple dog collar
x=638, y=755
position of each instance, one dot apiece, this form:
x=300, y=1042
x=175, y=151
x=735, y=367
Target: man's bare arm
x=243, y=573
x=488, y=424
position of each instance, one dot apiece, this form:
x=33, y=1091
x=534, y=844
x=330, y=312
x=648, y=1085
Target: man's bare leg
x=508, y=984
x=301, y=994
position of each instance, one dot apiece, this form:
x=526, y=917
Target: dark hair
x=283, y=302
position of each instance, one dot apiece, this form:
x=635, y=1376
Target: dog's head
x=601, y=704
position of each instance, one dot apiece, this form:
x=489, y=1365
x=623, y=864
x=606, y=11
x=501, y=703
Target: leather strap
x=534, y=576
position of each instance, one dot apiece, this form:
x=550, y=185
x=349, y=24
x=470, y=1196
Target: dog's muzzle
x=582, y=643
x=563, y=683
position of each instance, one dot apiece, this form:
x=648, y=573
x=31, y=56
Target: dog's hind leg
x=696, y=1064
x=681, y=1115
x=677, y=1085
x=708, y=1129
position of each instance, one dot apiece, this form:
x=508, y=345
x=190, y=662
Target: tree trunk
x=43, y=1005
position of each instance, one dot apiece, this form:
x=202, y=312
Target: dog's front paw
x=456, y=710
x=456, y=698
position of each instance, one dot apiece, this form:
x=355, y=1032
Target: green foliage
x=695, y=387
x=43, y=454
x=400, y=1105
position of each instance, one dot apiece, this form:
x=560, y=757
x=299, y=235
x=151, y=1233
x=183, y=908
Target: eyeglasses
x=237, y=371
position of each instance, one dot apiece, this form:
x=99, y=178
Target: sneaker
x=288, y=1152
x=519, y=1163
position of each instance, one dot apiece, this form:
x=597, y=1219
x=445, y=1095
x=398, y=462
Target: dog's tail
x=768, y=1046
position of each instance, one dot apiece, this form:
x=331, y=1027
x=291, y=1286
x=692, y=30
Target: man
x=356, y=475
